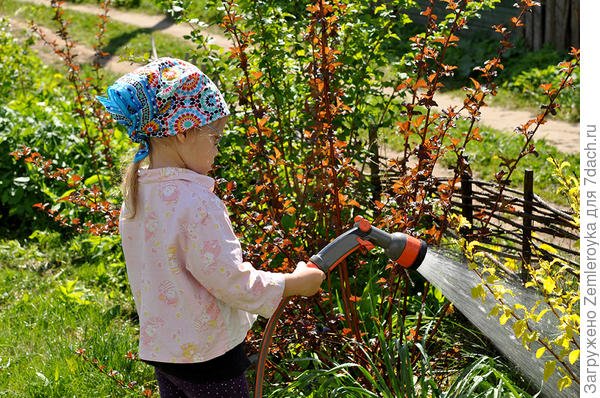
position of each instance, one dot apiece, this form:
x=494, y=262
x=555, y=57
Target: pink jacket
x=194, y=295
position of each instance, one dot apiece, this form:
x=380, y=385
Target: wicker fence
x=524, y=228
x=528, y=227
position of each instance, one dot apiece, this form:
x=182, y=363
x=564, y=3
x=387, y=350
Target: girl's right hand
x=304, y=281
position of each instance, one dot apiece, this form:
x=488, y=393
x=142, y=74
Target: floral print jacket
x=195, y=297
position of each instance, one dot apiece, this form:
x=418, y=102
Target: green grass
x=48, y=310
x=198, y=8
x=120, y=39
x=485, y=158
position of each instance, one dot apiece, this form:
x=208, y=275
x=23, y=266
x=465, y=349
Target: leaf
x=539, y=352
x=419, y=84
x=437, y=293
x=66, y=194
x=495, y=310
x=549, y=284
x=539, y=316
x=379, y=8
x=354, y=203
x=564, y=382
x=573, y=356
x=478, y=292
x=549, y=369
x=519, y=327
x=548, y=248
x=95, y=178
x=74, y=179
x=504, y=318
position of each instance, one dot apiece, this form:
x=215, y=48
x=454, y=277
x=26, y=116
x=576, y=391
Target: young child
x=195, y=297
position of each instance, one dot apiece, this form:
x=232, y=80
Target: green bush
x=31, y=99
x=38, y=110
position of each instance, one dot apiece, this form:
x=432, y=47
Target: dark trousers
x=173, y=387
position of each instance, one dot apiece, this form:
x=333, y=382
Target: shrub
x=34, y=112
x=62, y=134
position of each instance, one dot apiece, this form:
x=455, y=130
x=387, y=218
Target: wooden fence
x=555, y=23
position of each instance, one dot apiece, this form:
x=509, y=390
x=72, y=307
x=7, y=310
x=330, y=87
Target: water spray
x=404, y=250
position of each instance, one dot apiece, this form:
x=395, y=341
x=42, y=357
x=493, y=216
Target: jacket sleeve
x=214, y=257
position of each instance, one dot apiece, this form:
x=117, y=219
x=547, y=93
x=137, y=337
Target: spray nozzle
x=404, y=250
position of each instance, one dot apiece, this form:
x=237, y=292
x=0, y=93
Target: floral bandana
x=166, y=97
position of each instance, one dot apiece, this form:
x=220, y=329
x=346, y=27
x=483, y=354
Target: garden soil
x=563, y=135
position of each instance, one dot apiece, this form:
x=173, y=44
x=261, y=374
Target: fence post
x=527, y=221
x=466, y=190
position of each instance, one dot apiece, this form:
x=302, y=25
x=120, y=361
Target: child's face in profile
x=199, y=148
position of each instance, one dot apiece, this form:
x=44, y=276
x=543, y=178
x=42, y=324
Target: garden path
x=562, y=135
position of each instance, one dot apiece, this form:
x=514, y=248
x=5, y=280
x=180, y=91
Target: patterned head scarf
x=166, y=97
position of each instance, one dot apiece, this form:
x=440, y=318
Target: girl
x=195, y=297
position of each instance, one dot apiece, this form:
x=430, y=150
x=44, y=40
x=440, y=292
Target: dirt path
x=562, y=135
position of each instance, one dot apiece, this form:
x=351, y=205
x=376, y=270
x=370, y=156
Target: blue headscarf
x=166, y=97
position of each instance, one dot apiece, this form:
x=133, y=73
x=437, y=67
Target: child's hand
x=304, y=281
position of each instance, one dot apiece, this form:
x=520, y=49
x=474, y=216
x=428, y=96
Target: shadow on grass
x=120, y=41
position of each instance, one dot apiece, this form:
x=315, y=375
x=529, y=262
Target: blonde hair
x=129, y=187
x=129, y=183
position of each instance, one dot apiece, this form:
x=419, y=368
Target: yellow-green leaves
x=549, y=369
x=549, y=285
x=564, y=382
x=519, y=327
x=539, y=352
x=504, y=317
x=478, y=292
x=540, y=315
x=573, y=356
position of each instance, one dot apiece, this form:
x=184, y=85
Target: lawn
x=53, y=305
